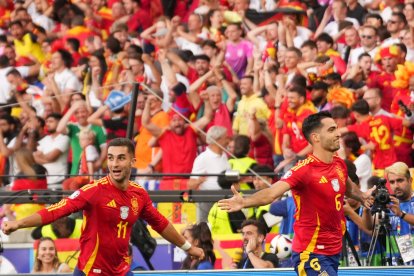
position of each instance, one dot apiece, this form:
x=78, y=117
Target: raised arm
x=95, y=118
x=155, y=130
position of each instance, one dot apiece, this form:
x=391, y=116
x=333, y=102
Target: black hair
x=202, y=57
x=66, y=57
x=210, y=43
x=301, y=91
x=364, y=55
x=313, y=122
x=74, y=43
x=113, y=44
x=14, y=72
x=261, y=230
x=201, y=232
x=400, y=16
x=351, y=141
x=374, y=15
x=250, y=77
x=241, y=146
x=16, y=22
x=8, y=118
x=361, y=107
x=309, y=43
x=123, y=142
x=340, y=112
x=351, y=168
x=54, y=115
x=326, y=38
x=4, y=61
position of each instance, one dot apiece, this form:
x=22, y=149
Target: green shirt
x=73, y=133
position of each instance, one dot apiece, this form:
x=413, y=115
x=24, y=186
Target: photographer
x=402, y=206
x=400, y=202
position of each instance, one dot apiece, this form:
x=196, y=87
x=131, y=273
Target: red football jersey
x=379, y=130
x=318, y=189
x=293, y=125
x=109, y=215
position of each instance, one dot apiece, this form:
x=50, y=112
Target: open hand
x=232, y=204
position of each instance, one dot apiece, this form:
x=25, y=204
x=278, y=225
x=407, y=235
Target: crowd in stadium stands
x=247, y=73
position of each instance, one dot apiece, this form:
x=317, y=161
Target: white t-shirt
x=67, y=80
x=48, y=144
x=91, y=153
x=166, y=104
x=210, y=162
x=355, y=53
x=4, y=83
x=363, y=170
x=195, y=48
x=333, y=27
x=6, y=267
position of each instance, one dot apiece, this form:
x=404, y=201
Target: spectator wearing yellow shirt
x=249, y=102
x=25, y=43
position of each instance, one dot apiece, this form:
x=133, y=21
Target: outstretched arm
x=262, y=197
x=10, y=226
x=352, y=191
x=171, y=235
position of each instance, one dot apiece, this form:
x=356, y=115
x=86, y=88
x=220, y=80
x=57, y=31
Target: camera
x=381, y=197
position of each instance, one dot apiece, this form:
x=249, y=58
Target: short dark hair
x=295, y=50
x=250, y=77
x=54, y=115
x=361, y=107
x=74, y=43
x=313, y=122
x=66, y=57
x=364, y=55
x=261, y=230
x=374, y=15
x=352, y=142
x=123, y=142
x=340, y=112
x=202, y=57
x=325, y=38
x=14, y=72
x=8, y=118
x=241, y=146
x=309, y=43
x=301, y=91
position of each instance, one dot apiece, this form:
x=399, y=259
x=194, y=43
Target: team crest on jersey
x=287, y=174
x=124, y=212
x=335, y=185
x=134, y=205
x=74, y=195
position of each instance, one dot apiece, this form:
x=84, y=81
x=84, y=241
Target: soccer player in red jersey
x=110, y=205
x=318, y=185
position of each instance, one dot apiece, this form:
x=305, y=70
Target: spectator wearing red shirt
x=388, y=63
x=178, y=142
x=294, y=143
x=138, y=19
x=377, y=132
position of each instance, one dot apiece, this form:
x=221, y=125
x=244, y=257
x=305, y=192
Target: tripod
x=382, y=234
x=346, y=258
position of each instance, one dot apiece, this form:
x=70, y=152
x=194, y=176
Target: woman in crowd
x=199, y=235
x=47, y=260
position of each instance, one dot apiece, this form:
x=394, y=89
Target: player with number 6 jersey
x=323, y=186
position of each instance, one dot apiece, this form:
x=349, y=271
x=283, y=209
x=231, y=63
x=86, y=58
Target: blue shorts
x=308, y=263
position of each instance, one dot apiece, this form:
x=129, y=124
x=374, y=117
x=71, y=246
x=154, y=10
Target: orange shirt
x=144, y=153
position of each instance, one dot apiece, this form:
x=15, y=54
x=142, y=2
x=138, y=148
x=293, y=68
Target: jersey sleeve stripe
x=58, y=205
x=92, y=258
